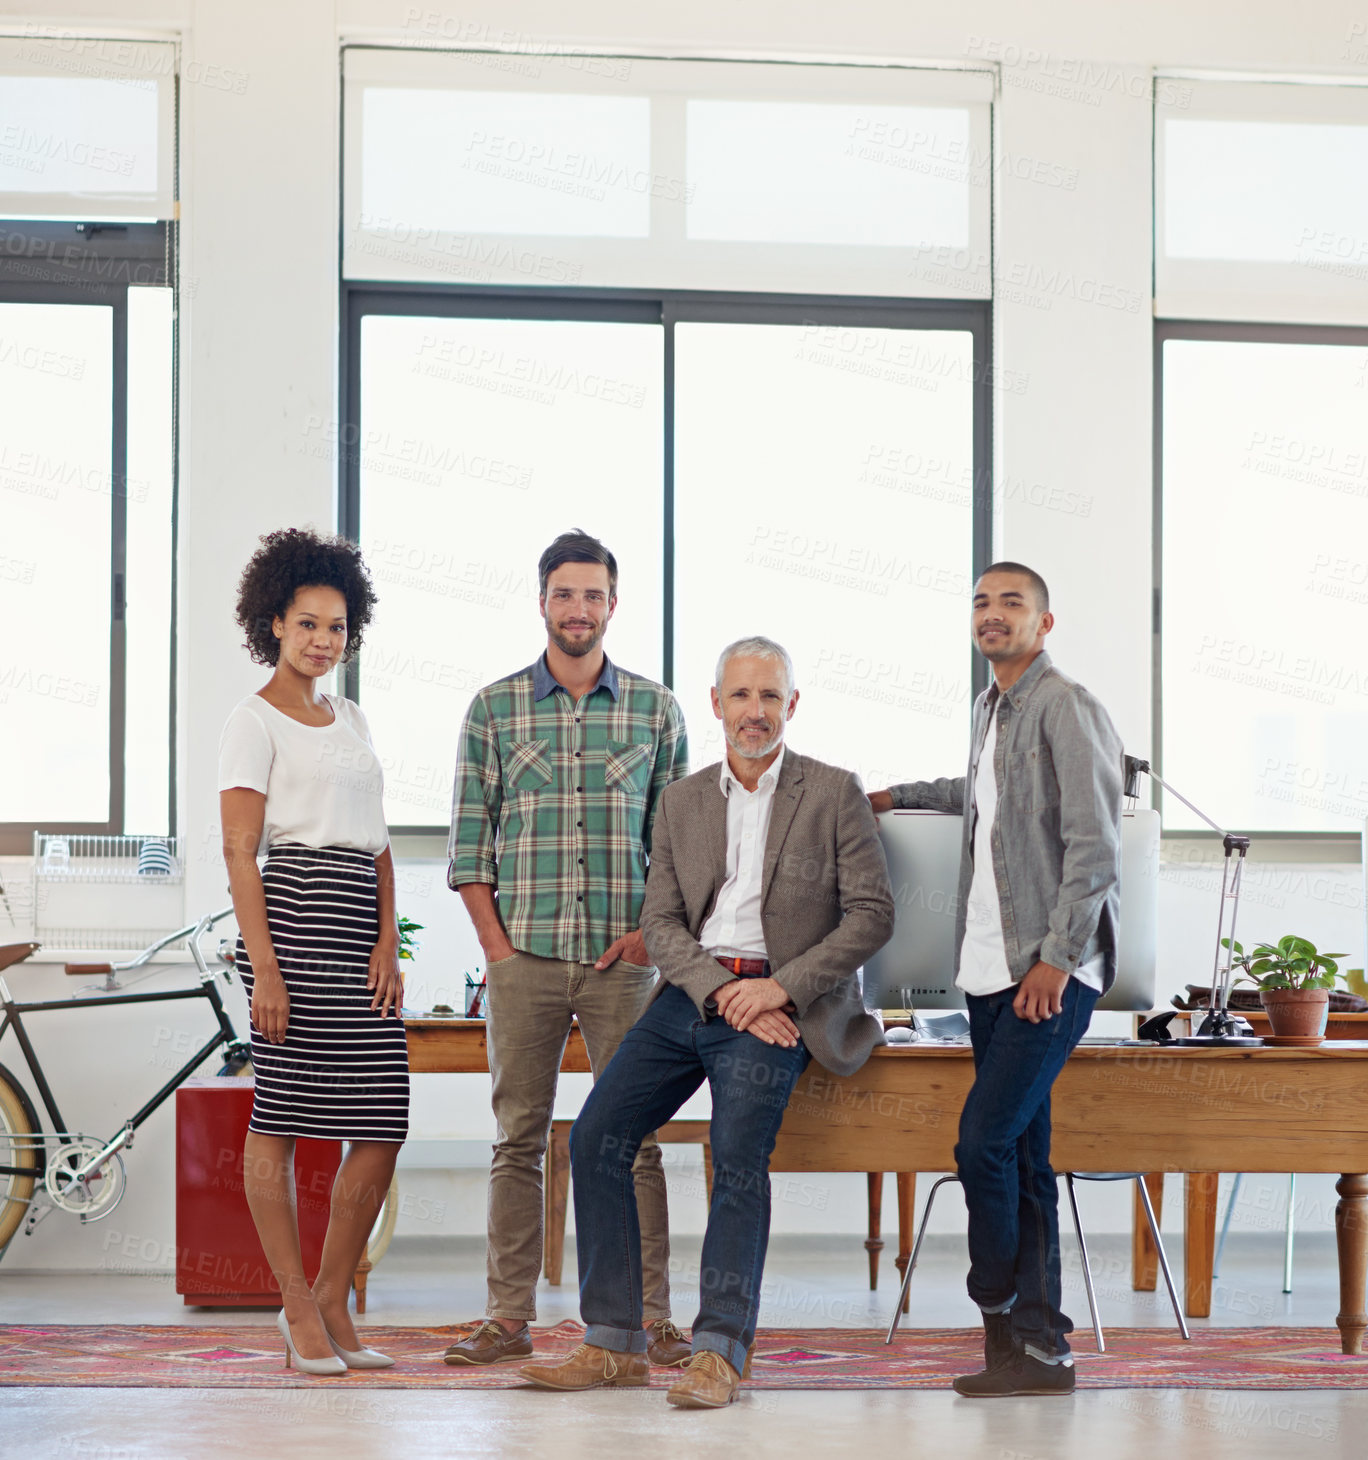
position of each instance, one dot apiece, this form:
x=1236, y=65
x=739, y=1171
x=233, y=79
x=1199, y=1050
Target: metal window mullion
x=667, y=516
x=354, y=310
x=981, y=471
x=118, y=612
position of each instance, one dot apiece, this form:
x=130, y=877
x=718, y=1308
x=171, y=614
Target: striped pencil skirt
x=342, y=1071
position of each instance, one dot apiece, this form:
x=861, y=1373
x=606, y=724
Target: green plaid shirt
x=554, y=803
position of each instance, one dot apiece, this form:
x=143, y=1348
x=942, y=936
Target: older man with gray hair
x=767, y=890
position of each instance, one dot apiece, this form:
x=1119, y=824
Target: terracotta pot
x=1301, y=1012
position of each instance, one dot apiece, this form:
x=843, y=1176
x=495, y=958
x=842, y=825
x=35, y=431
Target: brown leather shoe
x=668, y=1348
x=589, y=1367
x=487, y=1343
x=709, y=1382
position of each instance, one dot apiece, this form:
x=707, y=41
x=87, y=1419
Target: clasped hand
x=758, y=1006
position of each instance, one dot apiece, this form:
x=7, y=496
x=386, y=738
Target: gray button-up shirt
x=1057, y=834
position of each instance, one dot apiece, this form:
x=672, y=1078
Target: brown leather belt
x=746, y=967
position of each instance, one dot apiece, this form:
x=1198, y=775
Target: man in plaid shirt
x=558, y=775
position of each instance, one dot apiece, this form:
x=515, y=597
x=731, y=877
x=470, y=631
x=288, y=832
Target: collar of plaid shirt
x=544, y=682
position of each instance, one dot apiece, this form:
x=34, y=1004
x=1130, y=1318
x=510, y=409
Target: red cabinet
x=219, y=1261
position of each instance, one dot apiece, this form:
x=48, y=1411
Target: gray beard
x=747, y=754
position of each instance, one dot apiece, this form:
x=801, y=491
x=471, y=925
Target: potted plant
x=1294, y=980
x=408, y=944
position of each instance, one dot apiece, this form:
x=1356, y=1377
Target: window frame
x=1354, y=336
x=666, y=308
x=73, y=263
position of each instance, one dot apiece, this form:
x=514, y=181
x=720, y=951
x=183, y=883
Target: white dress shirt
x=735, y=928
x=983, y=957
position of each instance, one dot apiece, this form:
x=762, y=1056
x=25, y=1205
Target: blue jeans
x=662, y=1060
x=1003, y=1157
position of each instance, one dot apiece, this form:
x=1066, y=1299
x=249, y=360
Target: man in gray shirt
x=1036, y=942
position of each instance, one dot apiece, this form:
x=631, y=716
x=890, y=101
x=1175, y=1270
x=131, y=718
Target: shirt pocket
x=527, y=766
x=627, y=766
x=1032, y=784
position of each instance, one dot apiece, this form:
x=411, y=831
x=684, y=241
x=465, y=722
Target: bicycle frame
x=207, y=989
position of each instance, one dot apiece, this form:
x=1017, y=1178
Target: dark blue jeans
x=1003, y=1157
x=662, y=1060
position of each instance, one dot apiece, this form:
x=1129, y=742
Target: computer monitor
x=923, y=851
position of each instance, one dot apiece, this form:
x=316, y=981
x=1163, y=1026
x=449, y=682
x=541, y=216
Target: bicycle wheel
x=383, y=1230
x=19, y=1135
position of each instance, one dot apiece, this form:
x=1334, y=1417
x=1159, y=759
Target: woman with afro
x=318, y=940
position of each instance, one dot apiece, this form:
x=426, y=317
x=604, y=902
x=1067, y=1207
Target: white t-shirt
x=983, y=958
x=323, y=783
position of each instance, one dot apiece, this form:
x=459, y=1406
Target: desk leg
x=556, y=1177
x=1144, y=1256
x=359, y=1282
x=907, y=1201
x=1199, y=1241
x=1351, y=1238
x=874, y=1242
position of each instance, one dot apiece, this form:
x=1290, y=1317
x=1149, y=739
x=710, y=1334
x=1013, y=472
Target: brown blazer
x=825, y=898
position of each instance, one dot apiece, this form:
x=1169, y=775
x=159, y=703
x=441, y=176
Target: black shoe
x=999, y=1342
x=1020, y=1375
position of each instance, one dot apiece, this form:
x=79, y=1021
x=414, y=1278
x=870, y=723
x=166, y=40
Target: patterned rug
x=252, y=1357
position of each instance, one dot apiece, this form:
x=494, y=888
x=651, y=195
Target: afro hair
x=296, y=558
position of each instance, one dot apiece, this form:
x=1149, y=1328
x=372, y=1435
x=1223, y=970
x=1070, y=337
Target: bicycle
x=63, y=1170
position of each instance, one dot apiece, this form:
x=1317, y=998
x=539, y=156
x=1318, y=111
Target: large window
x=731, y=317
x=87, y=330
x=86, y=344
x=618, y=172
x=476, y=435
x=823, y=497
x=1264, y=484
x=800, y=468
x=1261, y=411
x=1259, y=208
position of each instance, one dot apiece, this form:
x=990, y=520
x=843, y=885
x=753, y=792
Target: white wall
x=259, y=181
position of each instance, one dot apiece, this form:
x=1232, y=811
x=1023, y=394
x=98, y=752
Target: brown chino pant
x=529, y=1002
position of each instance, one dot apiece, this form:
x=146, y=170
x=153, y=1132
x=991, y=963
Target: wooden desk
x=1198, y=1111
x=460, y=1047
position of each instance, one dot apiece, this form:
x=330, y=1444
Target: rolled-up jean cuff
x=617, y=1340
x=998, y=1307
x=731, y=1349
x=1036, y=1352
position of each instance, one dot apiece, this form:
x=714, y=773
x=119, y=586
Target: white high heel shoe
x=362, y=1358
x=334, y=1365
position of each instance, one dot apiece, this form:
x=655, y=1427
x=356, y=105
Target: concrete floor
x=816, y=1282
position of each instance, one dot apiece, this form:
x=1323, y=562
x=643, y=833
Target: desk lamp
x=1220, y=1027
